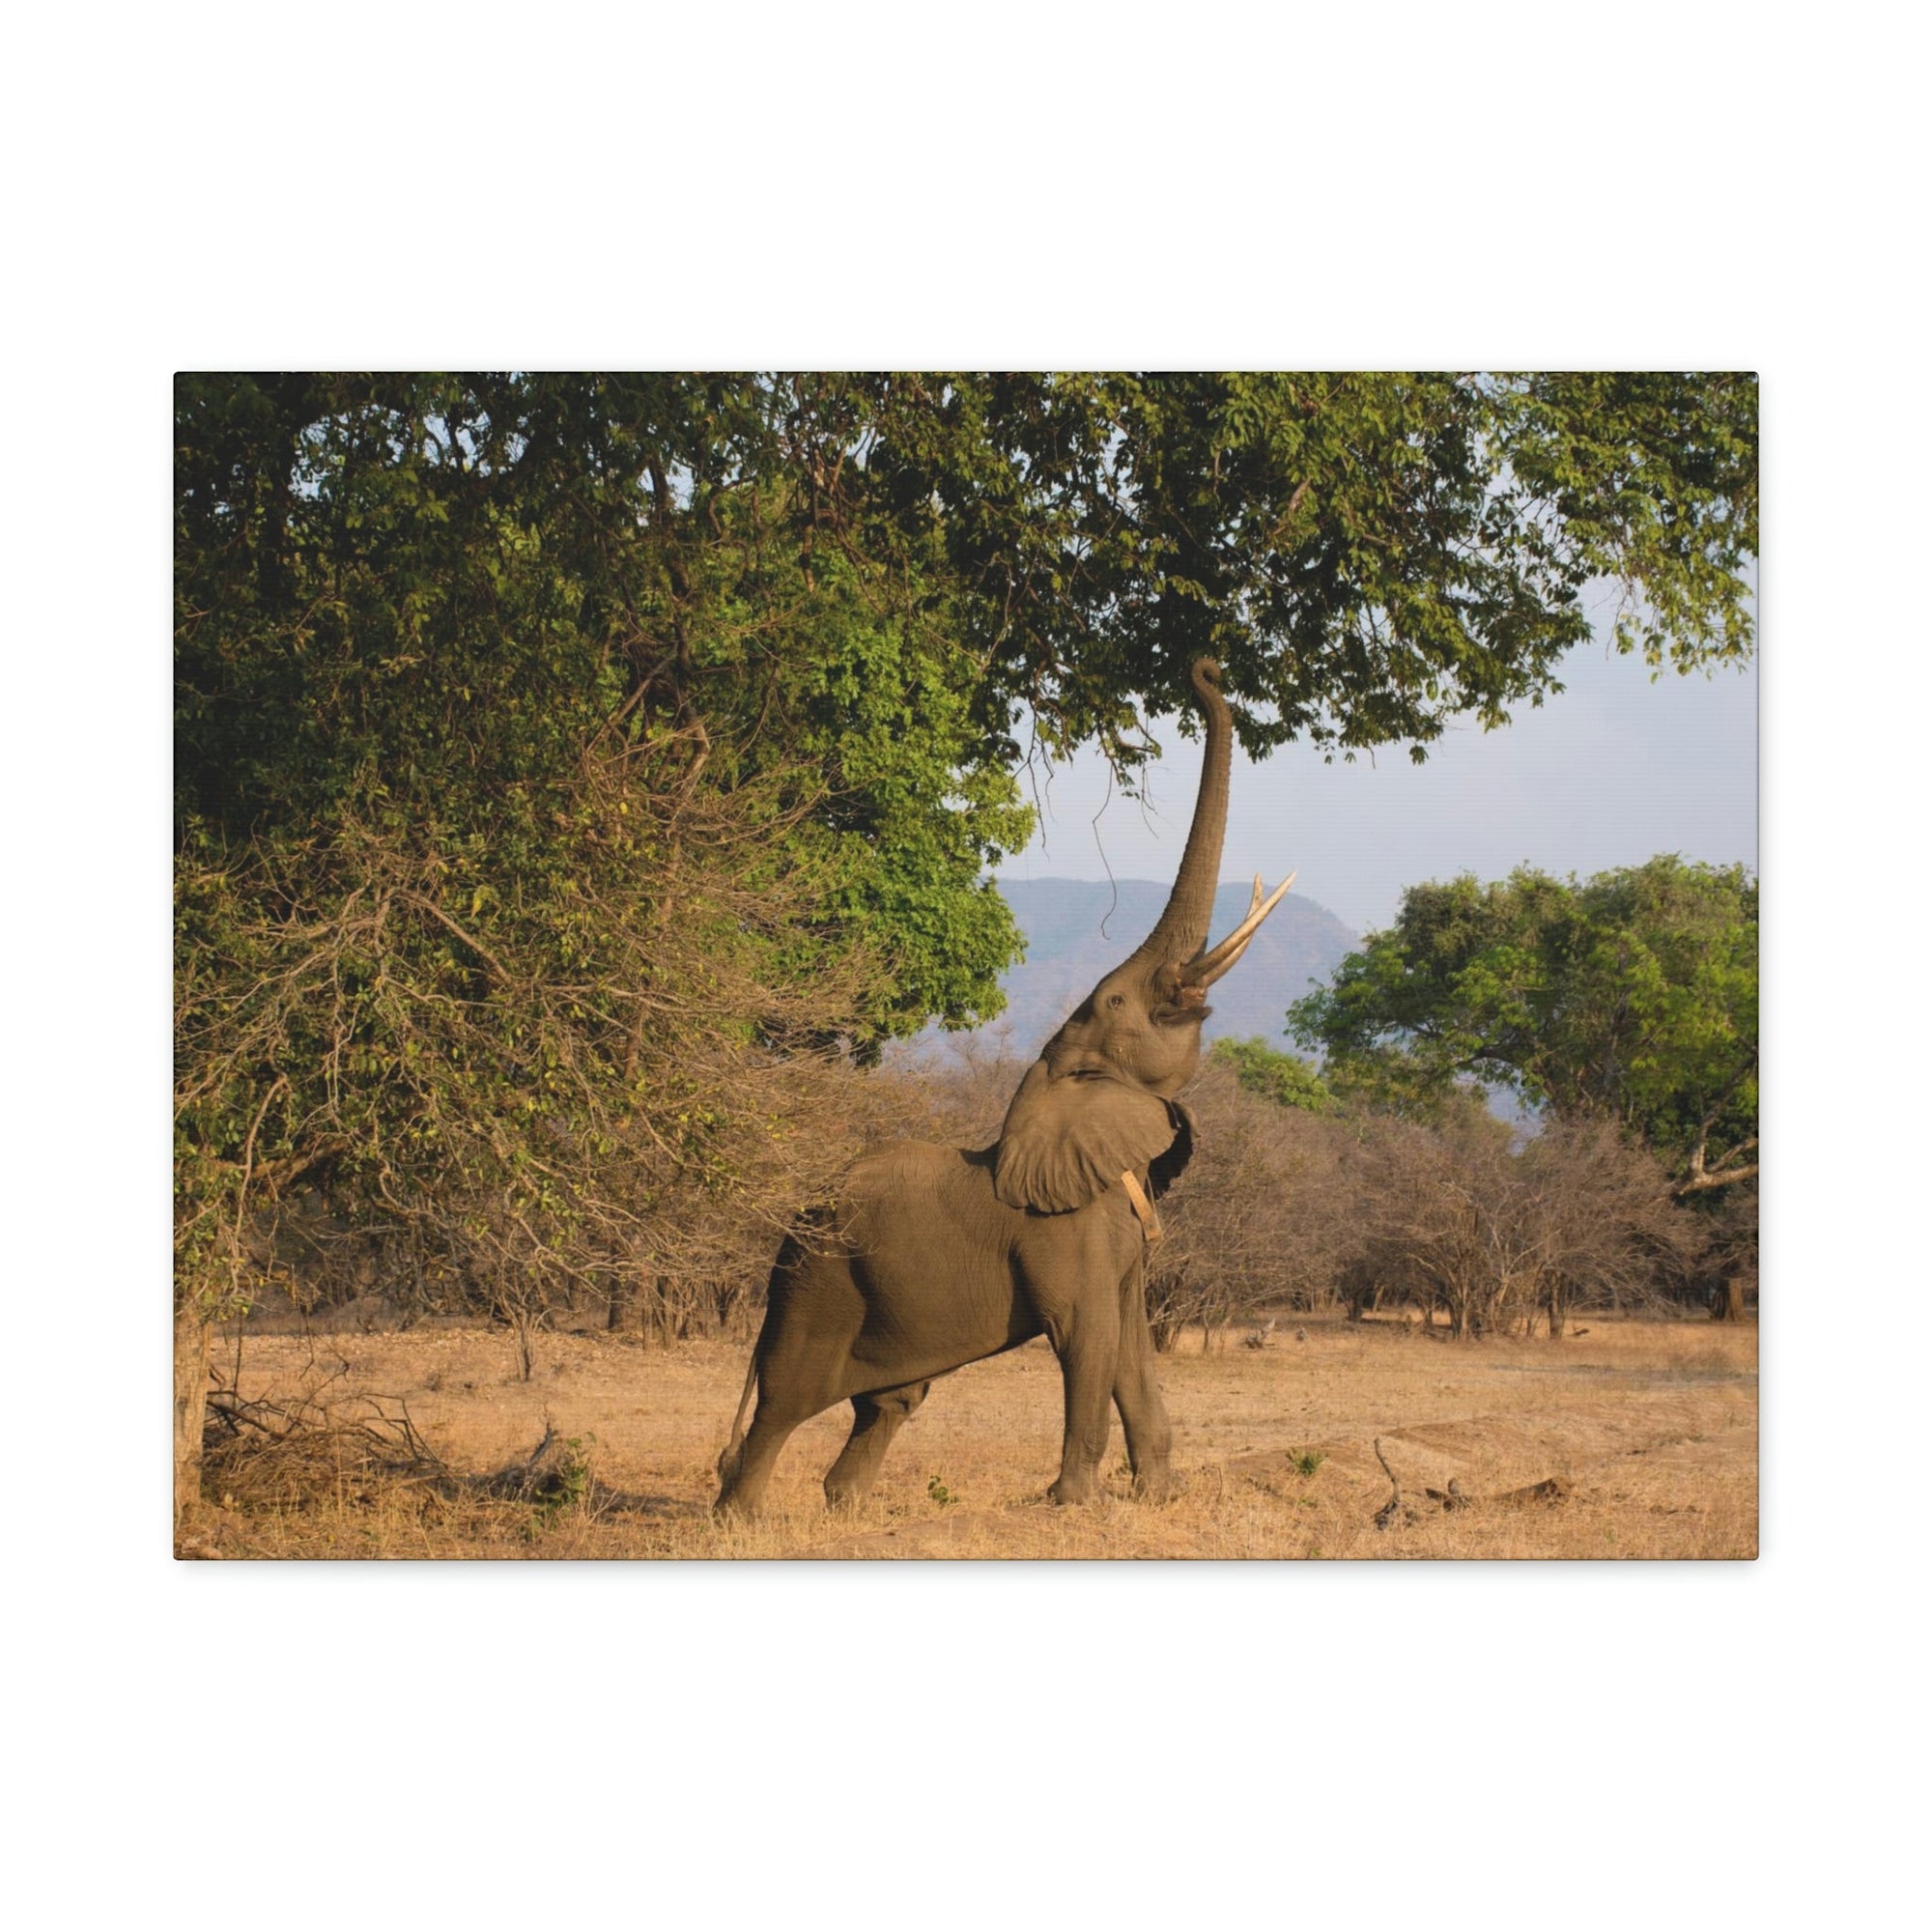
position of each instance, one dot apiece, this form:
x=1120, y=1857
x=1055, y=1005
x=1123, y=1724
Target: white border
x=1502, y=186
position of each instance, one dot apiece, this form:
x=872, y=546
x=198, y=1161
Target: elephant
x=929, y=1257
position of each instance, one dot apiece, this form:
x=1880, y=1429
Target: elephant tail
x=727, y=1459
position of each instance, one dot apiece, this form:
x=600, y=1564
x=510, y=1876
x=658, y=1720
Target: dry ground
x=1642, y=1437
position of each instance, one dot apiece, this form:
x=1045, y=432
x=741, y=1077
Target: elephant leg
x=804, y=1365
x=794, y=1384
x=876, y=1420
x=1137, y=1396
x=744, y=1487
x=1087, y=1343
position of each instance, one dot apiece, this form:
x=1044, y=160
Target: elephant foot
x=1071, y=1490
x=737, y=1504
x=1156, y=1486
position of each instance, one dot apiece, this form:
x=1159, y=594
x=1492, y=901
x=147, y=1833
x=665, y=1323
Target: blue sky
x=1612, y=770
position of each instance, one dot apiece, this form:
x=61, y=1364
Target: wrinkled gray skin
x=933, y=1257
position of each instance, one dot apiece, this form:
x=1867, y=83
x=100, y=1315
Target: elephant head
x=1100, y=1100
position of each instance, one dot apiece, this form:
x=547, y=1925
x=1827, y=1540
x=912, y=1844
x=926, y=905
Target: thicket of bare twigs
x=318, y=1439
x=1282, y=1209
x=1264, y=1214
x=489, y=1138
x=1302, y=1210
x=1502, y=1239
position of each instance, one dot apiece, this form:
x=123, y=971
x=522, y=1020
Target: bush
x=1287, y=1207
x=1501, y=1238
x=613, y=1101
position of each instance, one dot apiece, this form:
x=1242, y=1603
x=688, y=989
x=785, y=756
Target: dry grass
x=1649, y=1429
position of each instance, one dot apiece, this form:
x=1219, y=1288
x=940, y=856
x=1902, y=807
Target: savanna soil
x=1628, y=1439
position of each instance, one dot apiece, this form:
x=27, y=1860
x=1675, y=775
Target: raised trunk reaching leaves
x=1181, y=930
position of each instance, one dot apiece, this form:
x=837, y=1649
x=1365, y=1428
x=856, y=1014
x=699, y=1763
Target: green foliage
x=1305, y=1461
x=939, y=1492
x=422, y=603
x=1633, y=994
x=559, y=756
x=1284, y=1078
x=1652, y=481
x=1369, y=555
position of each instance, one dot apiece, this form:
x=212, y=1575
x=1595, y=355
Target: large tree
x=554, y=752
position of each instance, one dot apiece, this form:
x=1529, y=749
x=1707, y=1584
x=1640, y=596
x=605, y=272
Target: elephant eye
x=1118, y=1000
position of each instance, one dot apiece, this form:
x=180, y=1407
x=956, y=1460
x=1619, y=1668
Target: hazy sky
x=1609, y=772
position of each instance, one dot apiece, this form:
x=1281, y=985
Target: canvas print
x=978, y=965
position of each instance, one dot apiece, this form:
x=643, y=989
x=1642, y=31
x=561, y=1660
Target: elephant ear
x=1164, y=1170
x=1067, y=1140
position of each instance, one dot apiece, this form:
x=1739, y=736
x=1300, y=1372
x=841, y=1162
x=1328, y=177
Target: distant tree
x=1633, y=995
x=1285, y=1078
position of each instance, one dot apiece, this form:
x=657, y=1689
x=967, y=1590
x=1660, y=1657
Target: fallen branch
x=264, y=1452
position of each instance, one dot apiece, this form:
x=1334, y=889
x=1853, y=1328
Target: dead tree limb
x=1391, y=1509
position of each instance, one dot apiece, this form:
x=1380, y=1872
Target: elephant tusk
x=1212, y=965
x=1232, y=960
x=1229, y=964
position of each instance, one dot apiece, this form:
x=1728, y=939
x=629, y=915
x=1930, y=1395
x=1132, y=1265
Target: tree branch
x=476, y=945
x=1702, y=1178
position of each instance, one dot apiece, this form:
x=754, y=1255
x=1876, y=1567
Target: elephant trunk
x=1183, y=929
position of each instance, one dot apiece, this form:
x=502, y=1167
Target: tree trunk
x=193, y=1340
x=1729, y=1303
x=623, y=1311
